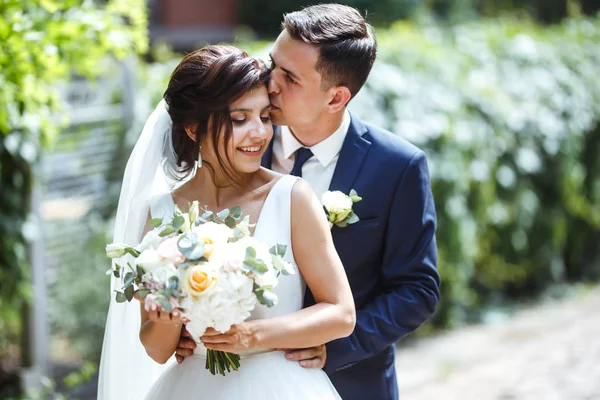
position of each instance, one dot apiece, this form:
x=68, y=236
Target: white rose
x=162, y=274
x=336, y=202
x=150, y=260
x=213, y=236
x=151, y=239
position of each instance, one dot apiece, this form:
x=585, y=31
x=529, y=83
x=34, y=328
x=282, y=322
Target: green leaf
x=207, y=216
x=120, y=297
x=156, y=222
x=129, y=277
x=140, y=271
x=278, y=250
x=266, y=297
x=133, y=252
x=178, y=222
x=129, y=293
x=354, y=196
x=250, y=252
x=189, y=246
x=223, y=214
x=236, y=212
x=255, y=265
x=167, y=231
x=173, y=283
x=165, y=303
x=352, y=218
x=142, y=293
x=230, y=222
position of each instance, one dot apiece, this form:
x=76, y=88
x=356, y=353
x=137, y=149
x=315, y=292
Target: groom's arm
x=408, y=274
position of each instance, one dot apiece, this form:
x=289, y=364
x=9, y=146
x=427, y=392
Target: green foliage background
x=509, y=116
x=42, y=43
x=507, y=111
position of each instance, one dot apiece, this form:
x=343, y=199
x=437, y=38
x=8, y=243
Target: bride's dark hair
x=200, y=91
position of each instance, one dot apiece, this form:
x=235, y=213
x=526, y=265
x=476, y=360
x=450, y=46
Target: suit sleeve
x=409, y=274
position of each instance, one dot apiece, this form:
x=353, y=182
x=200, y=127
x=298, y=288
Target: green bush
x=43, y=42
x=508, y=114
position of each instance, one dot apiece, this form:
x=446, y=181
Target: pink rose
x=168, y=250
x=232, y=265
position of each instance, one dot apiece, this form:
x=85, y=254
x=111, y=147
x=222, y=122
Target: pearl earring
x=199, y=162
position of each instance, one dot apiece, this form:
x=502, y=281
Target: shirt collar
x=324, y=151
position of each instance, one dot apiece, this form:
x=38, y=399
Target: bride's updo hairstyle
x=201, y=89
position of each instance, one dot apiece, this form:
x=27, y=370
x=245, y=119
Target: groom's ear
x=341, y=97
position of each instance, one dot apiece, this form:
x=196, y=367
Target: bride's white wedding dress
x=264, y=374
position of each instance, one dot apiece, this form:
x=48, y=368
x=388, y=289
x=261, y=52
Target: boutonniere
x=338, y=207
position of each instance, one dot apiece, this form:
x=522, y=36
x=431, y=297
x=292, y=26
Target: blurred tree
x=42, y=42
x=265, y=17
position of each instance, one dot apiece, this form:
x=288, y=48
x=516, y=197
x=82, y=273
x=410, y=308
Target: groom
x=320, y=61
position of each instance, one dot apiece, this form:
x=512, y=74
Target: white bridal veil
x=126, y=371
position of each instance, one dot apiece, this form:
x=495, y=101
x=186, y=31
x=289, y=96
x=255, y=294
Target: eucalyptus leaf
x=255, y=265
x=142, y=293
x=167, y=231
x=187, y=241
x=129, y=292
x=223, y=214
x=173, y=283
x=178, y=222
x=230, y=222
x=266, y=298
x=165, y=303
x=120, y=297
x=236, y=212
x=352, y=218
x=278, y=250
x=128, y=280
x=250, y=252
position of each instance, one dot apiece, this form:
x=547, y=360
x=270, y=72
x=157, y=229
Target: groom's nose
x=273, y=86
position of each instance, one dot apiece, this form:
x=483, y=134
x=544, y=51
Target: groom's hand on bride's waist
x=313, y=357
x=185, y=347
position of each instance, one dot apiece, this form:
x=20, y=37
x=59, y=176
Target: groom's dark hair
x=346, y=43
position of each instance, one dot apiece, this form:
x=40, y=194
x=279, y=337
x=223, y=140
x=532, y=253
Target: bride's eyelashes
x=240, y=122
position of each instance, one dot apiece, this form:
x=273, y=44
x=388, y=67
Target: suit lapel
x=267, y=158
x=352, y=156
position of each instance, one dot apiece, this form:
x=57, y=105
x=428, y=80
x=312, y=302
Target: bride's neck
x=216, y=187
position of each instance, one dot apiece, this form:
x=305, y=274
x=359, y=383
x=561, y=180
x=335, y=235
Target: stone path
x=548, y=352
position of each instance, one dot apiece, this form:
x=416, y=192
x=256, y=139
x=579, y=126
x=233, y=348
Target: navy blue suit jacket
x=389, y=256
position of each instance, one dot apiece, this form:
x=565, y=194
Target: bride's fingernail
x=289, y=356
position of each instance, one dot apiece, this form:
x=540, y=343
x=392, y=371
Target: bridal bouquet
x=207, y=266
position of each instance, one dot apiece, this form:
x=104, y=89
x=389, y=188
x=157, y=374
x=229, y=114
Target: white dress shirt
x=317, y=170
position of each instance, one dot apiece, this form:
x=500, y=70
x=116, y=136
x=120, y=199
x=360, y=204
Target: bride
x=204, y=142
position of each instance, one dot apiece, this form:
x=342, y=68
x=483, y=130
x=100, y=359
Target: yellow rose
x=198, y=279
x=209, y=246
